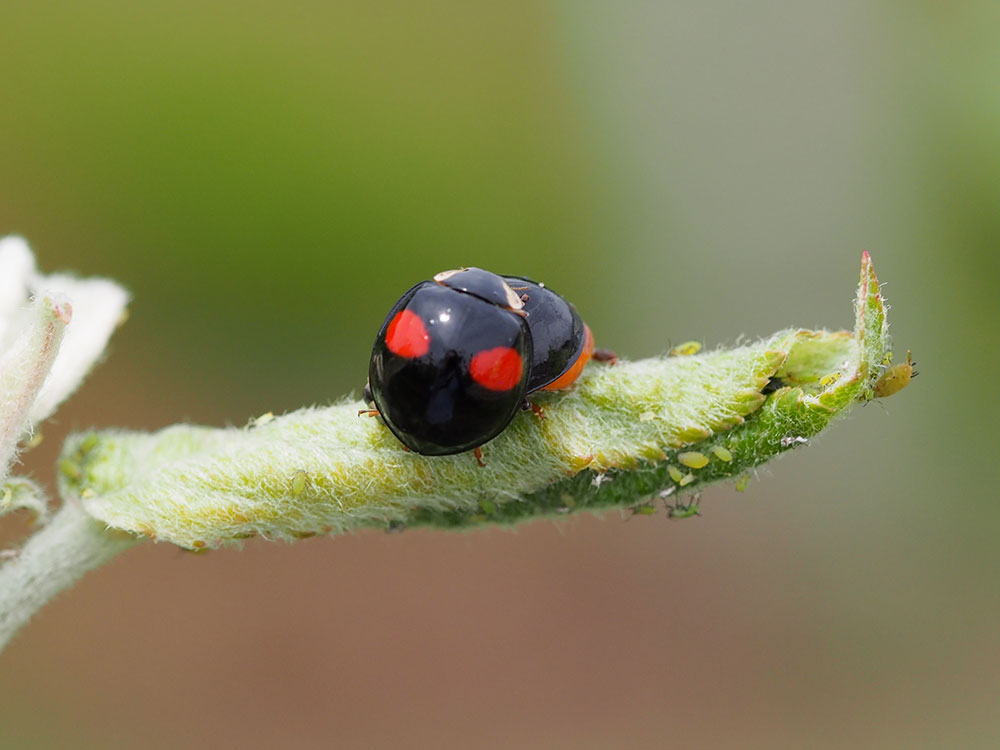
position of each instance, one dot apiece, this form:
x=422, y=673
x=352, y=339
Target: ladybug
x=457, y=355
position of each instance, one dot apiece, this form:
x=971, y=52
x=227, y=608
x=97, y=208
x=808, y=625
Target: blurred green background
x=266, y=178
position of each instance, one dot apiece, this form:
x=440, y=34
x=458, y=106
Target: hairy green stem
x=52, y=560
x=661, y=426
x=624, y=436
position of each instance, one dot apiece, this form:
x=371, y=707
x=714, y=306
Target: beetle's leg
x=478, y=453
x=605, y=355
x=369, y=412
x=535, y=408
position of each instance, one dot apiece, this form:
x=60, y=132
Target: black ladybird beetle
x=456, y=356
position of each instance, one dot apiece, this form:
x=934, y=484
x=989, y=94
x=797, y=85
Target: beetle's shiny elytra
x=561, y=341
x=456, y=356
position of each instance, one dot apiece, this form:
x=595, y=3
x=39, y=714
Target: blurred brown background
x=266, y=178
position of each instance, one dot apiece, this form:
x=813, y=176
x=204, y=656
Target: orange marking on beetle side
x=567, y=378
x=406, y=335
x=498, y=369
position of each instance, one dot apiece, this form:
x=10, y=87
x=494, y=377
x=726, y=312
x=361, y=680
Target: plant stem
x=53, y=559
x=624, y=436
x=620, y=437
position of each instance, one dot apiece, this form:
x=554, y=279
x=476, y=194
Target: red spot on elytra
x=498, y=369
x=406, y=335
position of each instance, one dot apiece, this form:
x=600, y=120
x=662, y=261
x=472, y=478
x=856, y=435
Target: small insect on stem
x=828, y=380
x=299, y=480
x=687, y=349
x=643, y=509
x=679, y=510
x=262, y=420
x=895, y=378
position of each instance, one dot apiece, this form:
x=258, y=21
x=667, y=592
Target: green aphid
x=88, y=444
x=679, y=510
x=742, y=483
x=722, y=454
x=830, y=379
x=687, y=479
x=687, y=349
x=299, y=482
x=693, y=459
x=896, y=378
x=675, y=473
x=644, y=509
x=70, y=470
x=262, y=420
